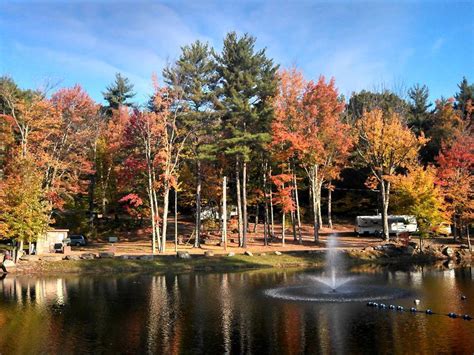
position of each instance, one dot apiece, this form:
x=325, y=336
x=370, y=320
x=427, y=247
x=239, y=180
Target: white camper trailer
x=373, y=225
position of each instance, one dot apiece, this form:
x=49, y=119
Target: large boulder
x=278, y=252
x=248, y=253
x=106, y=254
x=183, y=255
x=231, y=254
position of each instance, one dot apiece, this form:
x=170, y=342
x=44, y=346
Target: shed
x=45, y=243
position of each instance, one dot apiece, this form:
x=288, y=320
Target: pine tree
x=465, y=98
x=118, y=93
x=419, y=116
x=247, y=84
x=194, y=76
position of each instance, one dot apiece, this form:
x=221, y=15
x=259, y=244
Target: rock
x=29, y=258
x=183, y=255
x=146, y=257
x=231, y=254
x=277, y=253
x=448, y=252
x=72, y=257
x=248, y=253
x=9, y=264
x=263, y=254
x=106, y=254
x=88, y=256
x=125, y=257
x=208, y=253
x=409, y=250
x=368, y=249
x=464, y=246
x=51, y=258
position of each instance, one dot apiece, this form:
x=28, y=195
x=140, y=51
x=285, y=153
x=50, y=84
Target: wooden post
x=224, y=211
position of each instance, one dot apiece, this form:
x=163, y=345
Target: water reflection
x=227, y=313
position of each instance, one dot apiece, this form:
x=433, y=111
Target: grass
x=168, y=263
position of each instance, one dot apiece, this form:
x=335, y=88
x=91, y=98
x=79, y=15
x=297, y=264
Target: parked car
x=443, y=229
x=77, y=240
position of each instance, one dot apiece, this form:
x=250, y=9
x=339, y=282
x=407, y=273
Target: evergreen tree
x=368, y=101
x=419, y=116
x=464, y=98
x=247, y=81
x=194, y=77
x=118, y=93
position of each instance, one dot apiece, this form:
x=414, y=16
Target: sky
x=362, y=44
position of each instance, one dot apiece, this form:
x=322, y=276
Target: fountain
x=332, y=285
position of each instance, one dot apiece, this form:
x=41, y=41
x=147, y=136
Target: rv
x=373, y=225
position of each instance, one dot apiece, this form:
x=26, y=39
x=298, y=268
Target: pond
x=242, y=312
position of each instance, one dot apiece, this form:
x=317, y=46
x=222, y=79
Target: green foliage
x=419, y=116
x=118, y=93
x=25, y=212
x=465, y=97
x=247, y=83
x=386, y=101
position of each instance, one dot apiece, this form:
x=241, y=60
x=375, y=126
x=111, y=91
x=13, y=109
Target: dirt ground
x=139, y=243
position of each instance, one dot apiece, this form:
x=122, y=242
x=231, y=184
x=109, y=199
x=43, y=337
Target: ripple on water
x=352, y=293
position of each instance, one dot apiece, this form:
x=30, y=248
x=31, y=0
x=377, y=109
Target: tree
x=328, y=140
x=247, y=80
x=385, y=145
x=24, y=209
x=419, y=116
x=445, y=125
x=118, y=93
x=193, y=76
x=465, y=99
x=456, y=164
x=417, y=193
x=384, y=100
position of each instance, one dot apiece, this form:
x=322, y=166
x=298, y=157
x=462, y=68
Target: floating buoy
x=452, y=315
x=375, y=304
x=391, y=306
x=429, y=311
x=369, y=304
x=466, y=317
x=382, y=305
x=413, y=309
x=463, y=297
x=399, y=308
x=417, y=302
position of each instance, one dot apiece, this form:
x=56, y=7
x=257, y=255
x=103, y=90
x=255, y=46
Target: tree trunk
x=320, y=215
x=198, y=206
x=239, y=200
x=175, y=220
x=298, y=215
x=244, y=200
x=468, y=238
x=165, y=216
x=283, y=228
x=265, y=219
x=385, y=190
x=224, y=214
x=272, y=220
x=329, y=206
x=293, y=225
x=314, y=173
x=256, y=218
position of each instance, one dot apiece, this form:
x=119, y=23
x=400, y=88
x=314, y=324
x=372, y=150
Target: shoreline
x=223, y=263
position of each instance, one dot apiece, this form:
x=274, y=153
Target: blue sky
x=363, y=44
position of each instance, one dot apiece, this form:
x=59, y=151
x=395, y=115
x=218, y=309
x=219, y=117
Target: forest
x=231, y=131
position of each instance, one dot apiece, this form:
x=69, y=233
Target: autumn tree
x=24, y=209
x=385, y=145
x=328, y=140
x=247, y=83
x=417, y=194
x=456, y=164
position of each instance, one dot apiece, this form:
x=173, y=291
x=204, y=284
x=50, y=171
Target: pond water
x=243, y=312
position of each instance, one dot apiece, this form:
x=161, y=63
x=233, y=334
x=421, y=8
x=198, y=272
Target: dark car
x=77, y=240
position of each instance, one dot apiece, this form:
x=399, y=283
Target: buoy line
x=415, y=310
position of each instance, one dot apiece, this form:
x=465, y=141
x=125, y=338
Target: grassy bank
x=163, y=264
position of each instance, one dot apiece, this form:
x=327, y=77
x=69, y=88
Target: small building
x=45, y=243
